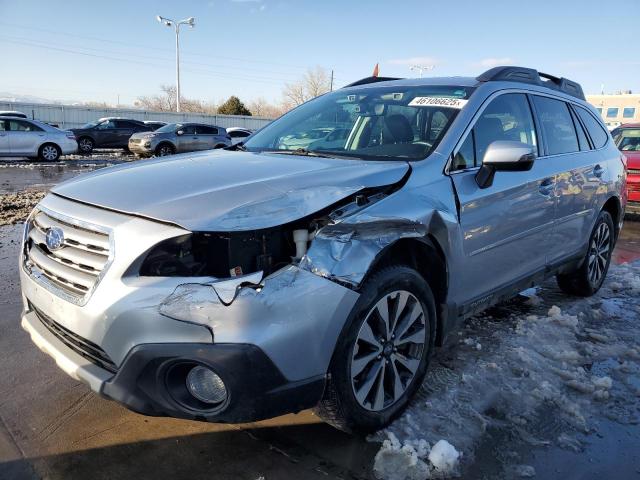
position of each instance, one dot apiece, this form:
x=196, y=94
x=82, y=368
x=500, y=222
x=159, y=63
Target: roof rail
x=364, y=81
x=533, y=77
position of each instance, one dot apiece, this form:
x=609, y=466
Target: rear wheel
x=85, y=145
x=382, y=354
x=165, y=149
x=588, y=279
x=49, y=152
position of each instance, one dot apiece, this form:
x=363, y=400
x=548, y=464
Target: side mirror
x=180, y=132
x=504, y=156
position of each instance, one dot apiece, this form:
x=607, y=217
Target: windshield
x=628, y=139
x=90, y=125
x=169, y=128
x=386, y=123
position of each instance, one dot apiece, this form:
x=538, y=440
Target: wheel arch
x=614, y=207
x=424, y=255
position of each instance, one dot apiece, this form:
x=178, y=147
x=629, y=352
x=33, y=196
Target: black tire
x=582, y=282
x=86, y=145
x=220, y=145
x=339, y=406
x=165, y=149
x=49, y=152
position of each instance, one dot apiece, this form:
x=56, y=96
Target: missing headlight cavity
x=228, y=254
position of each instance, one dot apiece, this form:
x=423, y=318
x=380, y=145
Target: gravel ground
x=15, y=207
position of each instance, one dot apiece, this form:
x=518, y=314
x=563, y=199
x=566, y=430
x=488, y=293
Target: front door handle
x=598, y=171
x=546, y=186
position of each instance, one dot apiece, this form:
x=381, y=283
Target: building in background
x=617, y=109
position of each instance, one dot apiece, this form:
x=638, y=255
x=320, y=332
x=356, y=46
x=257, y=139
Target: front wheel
x=588, y=279
x=164, y=149
x=49, y=152
x=382, y=354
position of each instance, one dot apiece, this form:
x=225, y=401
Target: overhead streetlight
x=421, y=68
x=172, y=23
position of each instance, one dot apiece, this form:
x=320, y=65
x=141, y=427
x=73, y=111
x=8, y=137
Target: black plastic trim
x=256, y=387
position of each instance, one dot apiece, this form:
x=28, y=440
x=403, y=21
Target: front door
x=505, y=227
x=188, y=141
x=24, y=137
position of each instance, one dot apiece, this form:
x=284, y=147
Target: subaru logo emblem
x=54, y=238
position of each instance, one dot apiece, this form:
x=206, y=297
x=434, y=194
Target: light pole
x=421, y=68
x=172, y=23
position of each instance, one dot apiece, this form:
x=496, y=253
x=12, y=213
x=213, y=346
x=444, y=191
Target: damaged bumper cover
x=293, y=316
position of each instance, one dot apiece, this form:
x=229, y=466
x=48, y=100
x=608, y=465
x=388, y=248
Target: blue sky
x=87, y=50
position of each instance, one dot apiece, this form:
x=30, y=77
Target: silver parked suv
x=242, y=284
x=178, y=138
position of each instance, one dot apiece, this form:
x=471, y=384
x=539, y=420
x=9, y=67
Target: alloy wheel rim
x=599, y=251
x=49, y=153
x=85, y=145
x=388, y=350
x=164, y=151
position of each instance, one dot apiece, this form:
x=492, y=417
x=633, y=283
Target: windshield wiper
x=238, y=146
x=306, y=153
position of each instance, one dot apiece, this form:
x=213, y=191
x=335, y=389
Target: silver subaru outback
x=241, y=284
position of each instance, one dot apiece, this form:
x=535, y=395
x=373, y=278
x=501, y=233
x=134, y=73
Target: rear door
x=25, y=137
x=124, y=130
x=207, y=137
x=578, y=170
x=4, y=138
x=505, y=227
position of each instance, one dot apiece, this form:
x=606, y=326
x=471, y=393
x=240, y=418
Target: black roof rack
x=529, y=75
x=364, y=81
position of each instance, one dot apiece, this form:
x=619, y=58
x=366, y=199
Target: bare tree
x=260, y=107
x=166, y=102
x=315, y=82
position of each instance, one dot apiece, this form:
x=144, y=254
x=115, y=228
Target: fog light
x=206, y=385
x=147, y=144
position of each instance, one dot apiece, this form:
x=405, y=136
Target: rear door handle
x=598, y=171
x=546, y=186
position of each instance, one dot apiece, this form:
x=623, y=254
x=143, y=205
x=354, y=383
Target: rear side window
x=18, y=126
x=204, y=130
x=241, y=134
x=596, y=131
x=557, y=125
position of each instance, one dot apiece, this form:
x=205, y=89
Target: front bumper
x=257, y=389
x=140, y=148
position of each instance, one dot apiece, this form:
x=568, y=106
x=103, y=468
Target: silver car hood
x=229, y=190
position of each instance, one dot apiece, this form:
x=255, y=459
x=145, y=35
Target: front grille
x=135, y=140
x=633, y=171
x=75, y=268
x=81, y=346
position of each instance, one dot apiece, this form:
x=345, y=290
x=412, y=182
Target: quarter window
x=596, y=131
x=612, y=112
x=629, y=112
x=557, y=125
x=582, y=137
x=599, y=110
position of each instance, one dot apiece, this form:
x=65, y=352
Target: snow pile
x=541, y=369
x=415, y=460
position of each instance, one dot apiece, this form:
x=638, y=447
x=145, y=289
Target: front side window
x=188, y=129
x=612, y=112
x=557, y=125
x=372, y=122
x=507, y=118
x=596, y=131
x=629, y=112
x=106, y=125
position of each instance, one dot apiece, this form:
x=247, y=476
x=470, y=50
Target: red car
x=627, y=139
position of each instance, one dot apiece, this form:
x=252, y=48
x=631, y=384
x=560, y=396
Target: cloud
x=494, y=62
x=414, y=61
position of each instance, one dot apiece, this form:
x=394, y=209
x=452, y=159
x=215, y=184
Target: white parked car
x=238, y=134
x=20, y=137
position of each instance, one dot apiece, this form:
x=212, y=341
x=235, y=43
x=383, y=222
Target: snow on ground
x=542, y=369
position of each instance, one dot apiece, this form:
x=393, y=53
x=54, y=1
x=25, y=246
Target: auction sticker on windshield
x=438, y=102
